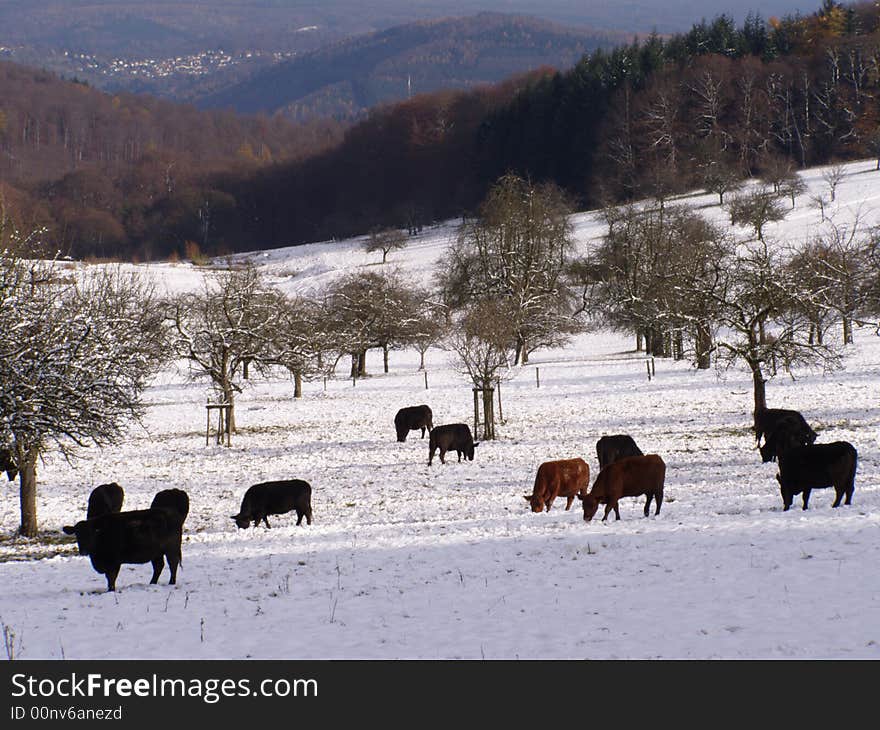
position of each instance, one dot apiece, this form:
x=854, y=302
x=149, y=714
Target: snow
x=409, y=561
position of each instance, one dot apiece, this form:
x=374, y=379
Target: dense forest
x=136, y=178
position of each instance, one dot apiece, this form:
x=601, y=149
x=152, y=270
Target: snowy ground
x=405, y=560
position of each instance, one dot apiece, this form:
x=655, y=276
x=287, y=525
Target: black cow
x=789, y=429
x=275, y=498
x=7, y=463
x=175, y=500
x=140, y=536
x=451, y=437
x=816, y=466
x=766, y=420
x=611, y=448
x=104, y=499
x=412, y=418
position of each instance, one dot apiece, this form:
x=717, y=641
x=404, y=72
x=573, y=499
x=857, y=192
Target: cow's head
x=535, y=502
x=768, y=452
x=590, y=504
x=241, y=521
x=469, y=451
x=85, y=536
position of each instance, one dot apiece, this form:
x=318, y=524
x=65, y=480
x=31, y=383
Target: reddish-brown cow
x=629, y=477
x=563, y=478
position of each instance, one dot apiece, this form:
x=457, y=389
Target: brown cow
x=629, y=477
x=563, y=478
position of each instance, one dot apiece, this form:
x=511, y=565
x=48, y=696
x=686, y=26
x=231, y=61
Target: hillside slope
x=346, y=78
x=404, y=560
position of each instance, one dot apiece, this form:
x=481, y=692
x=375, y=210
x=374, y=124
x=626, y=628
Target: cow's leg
x=423, y=432
x=849, y=494
x=299, y=517
x=173, y=562
x=158, y=564
x=806, y=497
x=309, y=517
x=459, y=456
x=838, y=496
x=608, y=507
x=568, y=502
x=111, y=574
x=442, y=455
x=266, y=521
x=431, y=455
x=658, y=500
x=650, y=496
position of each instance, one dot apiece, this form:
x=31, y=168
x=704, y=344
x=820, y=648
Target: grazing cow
x=412, y=418
x=275, y=498
x=766, y=420
x=452, y=436
x=175, y=500
x=140, y=536
x=7, y=463
x=563, y=478
x=104, y=499
x=816, y=466
x=629, y=477
x=788, y=429
x=611, y=448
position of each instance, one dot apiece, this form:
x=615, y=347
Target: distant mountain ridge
x=348, y=77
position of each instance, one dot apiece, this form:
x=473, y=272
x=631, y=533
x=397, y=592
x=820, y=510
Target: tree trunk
x=297, y=384
x=639, y=343
x=229, y=397
x=385, y=358
x=679, y=345
x=847, y=331
x=362, y=364
x=518, y=352
x=422, y=359
x=354, y=365
x=759, y=387
x=703, y=342
x=27, y=476
x=489, y=414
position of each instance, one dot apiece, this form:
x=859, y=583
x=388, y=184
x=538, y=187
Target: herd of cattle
x=111, y=537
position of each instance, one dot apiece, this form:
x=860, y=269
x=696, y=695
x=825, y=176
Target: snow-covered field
x=405, y=560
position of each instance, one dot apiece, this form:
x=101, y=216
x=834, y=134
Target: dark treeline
x=109, y=175
x=138, y=178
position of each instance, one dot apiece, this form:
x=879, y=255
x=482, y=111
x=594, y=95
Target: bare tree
x=517, y=251
x=386, y=240
x=832, y=178
x=482, y=341
x=367, y=310
x=76, y=352
x=756, y=321
x=836, y=268
x=226, y=325
x=755, y=208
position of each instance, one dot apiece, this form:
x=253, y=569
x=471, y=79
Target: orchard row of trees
x=78, y=346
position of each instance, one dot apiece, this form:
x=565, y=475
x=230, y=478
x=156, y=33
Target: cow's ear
x=68, y=530
x=476, y=444
x=234, y=517
x=527, y=497
x=580, y=497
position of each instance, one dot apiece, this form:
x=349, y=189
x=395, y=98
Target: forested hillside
x=135, y=178
x=346, y=78
x=105, y=173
